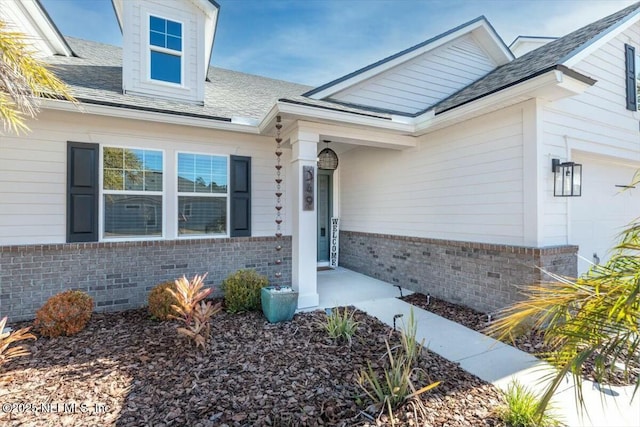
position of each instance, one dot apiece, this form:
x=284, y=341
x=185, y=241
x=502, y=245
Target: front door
x=325, y=185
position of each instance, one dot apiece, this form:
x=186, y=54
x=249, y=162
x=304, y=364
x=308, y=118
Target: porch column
x=304, y=149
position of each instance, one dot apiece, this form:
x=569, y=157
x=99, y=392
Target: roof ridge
x=530, y=64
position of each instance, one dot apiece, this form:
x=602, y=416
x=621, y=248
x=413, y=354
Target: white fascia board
x=210, y=23
x=41, y=26
x=118, y=8
x=492, y=44
x=49, y=31
x=550, y=86
x=326, y=115
x=124, y=113
x=577, y=55
x=372, y=72
x=358, y=136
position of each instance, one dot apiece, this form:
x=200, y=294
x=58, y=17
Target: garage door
x=603, y=210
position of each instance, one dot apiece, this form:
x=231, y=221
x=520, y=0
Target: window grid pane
x=126, y=171
x=202, y=215
x=206, y=175
x=165, y=33
x=128, y=215
x=166, y=67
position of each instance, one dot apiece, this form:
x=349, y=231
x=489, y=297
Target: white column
x=535, y=174
x=304, y=148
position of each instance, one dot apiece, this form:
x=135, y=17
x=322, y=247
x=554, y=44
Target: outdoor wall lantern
x=567, y=178
x=327, y=159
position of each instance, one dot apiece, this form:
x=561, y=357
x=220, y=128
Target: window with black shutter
x=631, y=77
x=240, y=196
x=82, y=192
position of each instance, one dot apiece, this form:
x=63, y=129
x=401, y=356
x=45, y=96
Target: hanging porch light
x=327, y=158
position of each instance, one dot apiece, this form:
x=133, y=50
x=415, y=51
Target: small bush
x=410, y=345
x=394, y=386
x=8, y=338
x=521, y=408
x=66, y=313
x=242, y=290
x=193, y=310
x=160, y=301
x=341, y=326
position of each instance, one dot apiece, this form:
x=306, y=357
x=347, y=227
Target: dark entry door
x=325, y=185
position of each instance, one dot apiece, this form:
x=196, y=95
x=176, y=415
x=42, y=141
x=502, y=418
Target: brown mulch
x=531, y=342
x=125, y=369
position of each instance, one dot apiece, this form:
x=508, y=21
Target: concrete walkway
x=478, y=354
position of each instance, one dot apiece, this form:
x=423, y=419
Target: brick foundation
x=119, y=275
x=481, y=276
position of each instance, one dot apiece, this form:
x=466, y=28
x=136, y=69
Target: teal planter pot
x=279, y=305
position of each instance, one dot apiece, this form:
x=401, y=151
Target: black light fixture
x=567, y=178
x=327, y=158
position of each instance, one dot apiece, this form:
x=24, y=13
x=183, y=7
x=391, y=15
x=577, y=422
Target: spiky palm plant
x=593, y=318
x=23, y=79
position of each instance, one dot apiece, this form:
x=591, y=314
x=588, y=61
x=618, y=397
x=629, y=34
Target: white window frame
x=151, y=48
x=178, y=194
x=103, y=192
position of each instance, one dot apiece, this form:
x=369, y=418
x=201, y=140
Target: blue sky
x=315, y=41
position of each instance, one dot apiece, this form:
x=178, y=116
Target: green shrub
x=66, y=313
x=411, y=348
x=393, y=386
x=521, y=408
x=160, y=301
x=242, y=290
x=341, y=326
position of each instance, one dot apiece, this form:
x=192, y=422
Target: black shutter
x=630, y=68
x=82, y=192
x=240, y=194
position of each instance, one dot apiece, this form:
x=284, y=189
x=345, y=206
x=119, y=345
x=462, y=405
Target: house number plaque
x=308, y=184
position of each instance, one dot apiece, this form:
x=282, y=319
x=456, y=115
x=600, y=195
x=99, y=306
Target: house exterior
x=444, y=185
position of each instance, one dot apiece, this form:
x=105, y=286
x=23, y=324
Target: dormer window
x=165, y=44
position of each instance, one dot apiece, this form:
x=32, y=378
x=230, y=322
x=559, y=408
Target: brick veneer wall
x=481, y=276
x=119, y=275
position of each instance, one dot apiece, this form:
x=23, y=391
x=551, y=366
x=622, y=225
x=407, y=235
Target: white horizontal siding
x=463, y=183
x=33, y=170
x=423, y=81
x=596, y=122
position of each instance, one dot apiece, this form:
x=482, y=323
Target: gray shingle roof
x=533, y=63
x=95, y=76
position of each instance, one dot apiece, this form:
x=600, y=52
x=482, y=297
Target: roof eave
x=584, y=50
x=551, y=85
x=151, y=115
x=326, y=115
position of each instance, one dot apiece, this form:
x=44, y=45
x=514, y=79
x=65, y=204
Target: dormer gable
x=166, y=47
x=417, y=78
x=525, y=44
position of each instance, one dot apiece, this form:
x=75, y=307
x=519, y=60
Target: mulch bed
x=531, y=342
x=126, y=369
